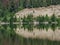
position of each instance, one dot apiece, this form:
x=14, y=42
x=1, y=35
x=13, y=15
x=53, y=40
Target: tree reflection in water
x=9, y=37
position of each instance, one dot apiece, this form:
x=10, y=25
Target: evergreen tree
x=53, y=18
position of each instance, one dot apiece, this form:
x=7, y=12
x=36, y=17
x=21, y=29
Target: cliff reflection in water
x=9, y=37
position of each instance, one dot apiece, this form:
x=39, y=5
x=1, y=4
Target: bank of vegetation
x=41, y=22
x=8, y=8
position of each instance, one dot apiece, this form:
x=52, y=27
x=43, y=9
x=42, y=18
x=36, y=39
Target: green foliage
x=46, y=18
x=44, y=22
x=38, y=3
x=14, y=6
x=28, y=22
x=53, y=18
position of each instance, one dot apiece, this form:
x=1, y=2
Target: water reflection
x=9, y=37
x=40, y=26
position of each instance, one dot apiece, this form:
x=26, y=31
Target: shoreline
x=42, y=34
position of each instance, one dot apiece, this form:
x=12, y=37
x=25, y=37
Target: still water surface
x=8, y=37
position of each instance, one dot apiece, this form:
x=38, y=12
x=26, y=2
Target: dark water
x=9, y=37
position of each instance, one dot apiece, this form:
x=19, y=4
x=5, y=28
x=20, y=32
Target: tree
x=46, y=18
x=53, y=18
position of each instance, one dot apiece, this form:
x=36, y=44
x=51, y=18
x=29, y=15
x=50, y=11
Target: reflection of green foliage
x=53, y=26
x=40, y=26
x=58, y=20
x=7, y=33
x=46, y=26
x=28, y=22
